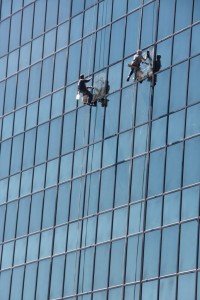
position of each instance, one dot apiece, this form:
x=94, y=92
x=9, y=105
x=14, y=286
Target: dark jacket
x=82, y=85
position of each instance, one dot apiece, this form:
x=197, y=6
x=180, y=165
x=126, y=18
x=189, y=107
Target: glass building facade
x=99, y=203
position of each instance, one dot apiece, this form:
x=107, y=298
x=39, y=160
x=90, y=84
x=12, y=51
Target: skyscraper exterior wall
x=99, y=203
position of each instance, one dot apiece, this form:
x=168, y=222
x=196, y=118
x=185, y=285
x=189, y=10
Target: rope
x=79, y=206
x=145, y=163
x=83, y=279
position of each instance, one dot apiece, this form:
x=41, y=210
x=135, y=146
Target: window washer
x=157, y=63
x=135, y=64
x=83, y=89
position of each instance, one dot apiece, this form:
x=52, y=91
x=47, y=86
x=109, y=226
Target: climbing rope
x=146, y=162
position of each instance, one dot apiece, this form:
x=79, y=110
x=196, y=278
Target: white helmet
x=139, y=52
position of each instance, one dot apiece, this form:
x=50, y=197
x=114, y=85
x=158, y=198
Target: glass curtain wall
x=99, y=203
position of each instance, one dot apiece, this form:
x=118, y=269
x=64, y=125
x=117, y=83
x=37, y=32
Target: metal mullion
x=33, y=167
x=19, y=192
x=130, y=167
x=45, y=162
x=82, y=177
x=87, y=157
x=60, y=151
x=115, y=165
x=101, y=161
x=5, y=219
x=70, y=182
x=1, y=131
x=147, y=159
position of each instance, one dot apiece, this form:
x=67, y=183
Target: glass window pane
x=186, y=287
x=117, y=263
x=181, y=46
x=117, y=33
x=43, y=279
x=183, y=14
x=107, y=189
x=151, y=254
x=11, y=216
x=193, y=120
x=30, y=281
x=177, y=121
x=178, y=96
x=188, y=246
x=171, y=208
x=57, y=275
x=101, y=266
x=190, y=203
x=165, y=26
x=154, y=213
x=194, y=91
x=51, y=14
x=54, y=138
x=156, y=173
x=191, y=162
x=174, y=167
x=5, y=278
x=49, y=208
x=23, y=216
x=168, y=289
x=27, y=23
x=169, y=251
x=36, y=212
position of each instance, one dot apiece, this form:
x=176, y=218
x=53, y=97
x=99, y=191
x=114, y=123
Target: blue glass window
x=73, y=69
x=186, y=287
x=23, y=216
x=41, y=145
x=43, y=279
x=36, y=212
x=188, y=246
x=64, y=10
x=15, y=31
x=156, y=172
x=30, y=281
x=107, y=189
x=17, y=148
x=37, y=47
x=133, y=263
x=138, y=178
x=165, y=26
x=174, y=167
x=51, y=14
x=49, y=42
x=178, y=96
x=101, y=266
x=57, y=277
x=194, y=91
x=176, y=126
x=22, y=88
x=10, y=225
x=117, y=34
x=4, y=161
x=4, y=36
x=183, y=14
x=191, y=161
x=49, y=208
x=151, y=254
x=169, y=250
x=27, y=20
x=117, y=263
x=54, y=138
x=76, y=28
x=171, y=211
x=47, y=75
